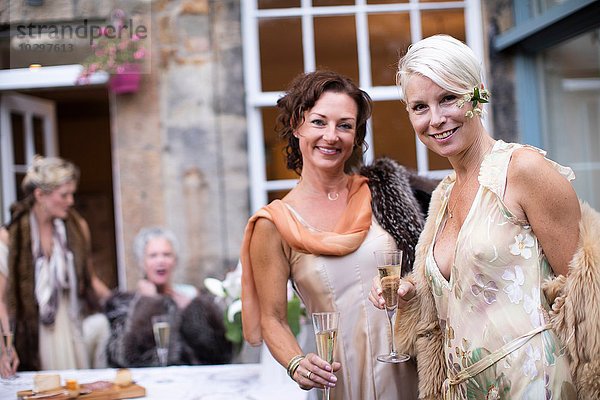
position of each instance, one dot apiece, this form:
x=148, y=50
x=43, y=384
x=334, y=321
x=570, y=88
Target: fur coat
x=20, y=294
x=575, y=314
x=197, y=333
x=399, y=203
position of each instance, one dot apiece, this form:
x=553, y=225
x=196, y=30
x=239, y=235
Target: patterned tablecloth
x=210, y=382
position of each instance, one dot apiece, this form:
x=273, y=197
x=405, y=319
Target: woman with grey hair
x=47, y=283
x=197, y=331
x=156, y=250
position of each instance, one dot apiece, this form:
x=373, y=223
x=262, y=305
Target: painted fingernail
x=333, y=378
x=327, y=368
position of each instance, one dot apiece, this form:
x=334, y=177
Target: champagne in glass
x=389, y=267
x=162, y=330
x=325, y=325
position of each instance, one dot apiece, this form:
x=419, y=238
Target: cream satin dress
x=329, y=283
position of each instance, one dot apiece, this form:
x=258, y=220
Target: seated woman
x=197, y=331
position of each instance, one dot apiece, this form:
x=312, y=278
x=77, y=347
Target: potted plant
x=118, y=52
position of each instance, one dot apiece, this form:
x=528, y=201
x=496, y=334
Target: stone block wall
x=181, y=141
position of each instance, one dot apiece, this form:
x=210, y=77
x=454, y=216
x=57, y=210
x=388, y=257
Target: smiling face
x=328, y=132
x=159, y=261
x=436, y=118
x=57, y=202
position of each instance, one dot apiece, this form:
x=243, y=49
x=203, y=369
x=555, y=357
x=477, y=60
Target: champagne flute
x=389, y=267
x=162, y=329
x=325, y=325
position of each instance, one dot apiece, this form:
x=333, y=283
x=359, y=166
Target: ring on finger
x=309, y=375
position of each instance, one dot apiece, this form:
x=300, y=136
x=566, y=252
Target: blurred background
x=168, y=106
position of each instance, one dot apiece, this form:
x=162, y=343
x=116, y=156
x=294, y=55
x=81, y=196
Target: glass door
x=28, y=127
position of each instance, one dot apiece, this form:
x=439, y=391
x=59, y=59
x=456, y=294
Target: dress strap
x=494, y=168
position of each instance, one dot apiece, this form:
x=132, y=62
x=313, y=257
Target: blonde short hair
x=448, y=62
x=48, y=173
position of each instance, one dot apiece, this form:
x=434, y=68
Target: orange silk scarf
x=347, y=236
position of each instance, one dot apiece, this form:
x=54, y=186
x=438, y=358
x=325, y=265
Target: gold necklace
x=451, y=209
x=332, y=196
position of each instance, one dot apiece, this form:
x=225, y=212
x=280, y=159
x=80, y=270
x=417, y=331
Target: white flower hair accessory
x=476, y=96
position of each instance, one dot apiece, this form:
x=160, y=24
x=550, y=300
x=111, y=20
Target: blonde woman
x=47, y=284
x=502, y=226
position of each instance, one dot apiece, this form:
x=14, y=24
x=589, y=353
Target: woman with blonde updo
x=47, y=284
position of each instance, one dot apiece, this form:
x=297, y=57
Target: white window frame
x=257, y=99
x=29, y=107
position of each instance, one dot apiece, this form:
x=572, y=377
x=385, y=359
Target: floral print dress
x=494, y=296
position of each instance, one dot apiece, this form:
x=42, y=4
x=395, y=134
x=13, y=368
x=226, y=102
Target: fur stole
x=575, y=300
x=197, y=333
x=575, y=312
x=395, y=205
x=20, y=294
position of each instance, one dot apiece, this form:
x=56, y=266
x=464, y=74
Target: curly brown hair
x=302, y=94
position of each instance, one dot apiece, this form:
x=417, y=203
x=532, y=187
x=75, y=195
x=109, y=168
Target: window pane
x=386, y=1
x=393, y=135
x=318, y=3
x=335, y=45
x=451, y=22
x=18, y=138
x=571, y=107
x=389, y=37
x=18, y=179
x=38, y=136
x=277, y=195
x=280, y=52
x=262, y=4
x=276, y=165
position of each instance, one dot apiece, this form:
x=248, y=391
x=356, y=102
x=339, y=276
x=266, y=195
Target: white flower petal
x=520, y=277
x=528, y=241
x=508, y=275
x=214, y=286
x=233, y=309
x=514, y=249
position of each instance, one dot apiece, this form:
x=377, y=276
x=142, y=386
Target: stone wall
x=179, y=144
x=497, y=18
x=181, y=141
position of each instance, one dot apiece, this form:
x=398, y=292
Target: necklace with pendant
x=333, y=196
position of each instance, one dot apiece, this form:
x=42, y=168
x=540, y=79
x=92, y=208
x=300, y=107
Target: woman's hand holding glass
x=314, y=372
x=406, y=291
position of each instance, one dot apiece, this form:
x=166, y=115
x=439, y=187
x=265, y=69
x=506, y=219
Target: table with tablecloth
x=208, y=382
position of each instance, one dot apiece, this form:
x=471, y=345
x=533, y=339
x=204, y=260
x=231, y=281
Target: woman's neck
x=323, y=184
x=42, y=217
x=472, y=157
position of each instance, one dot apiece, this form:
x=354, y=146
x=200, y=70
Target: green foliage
x=233, y=330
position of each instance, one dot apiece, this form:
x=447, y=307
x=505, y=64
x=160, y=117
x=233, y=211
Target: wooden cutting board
x=113, y=392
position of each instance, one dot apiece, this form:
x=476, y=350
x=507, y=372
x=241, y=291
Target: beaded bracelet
x=293, y=365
